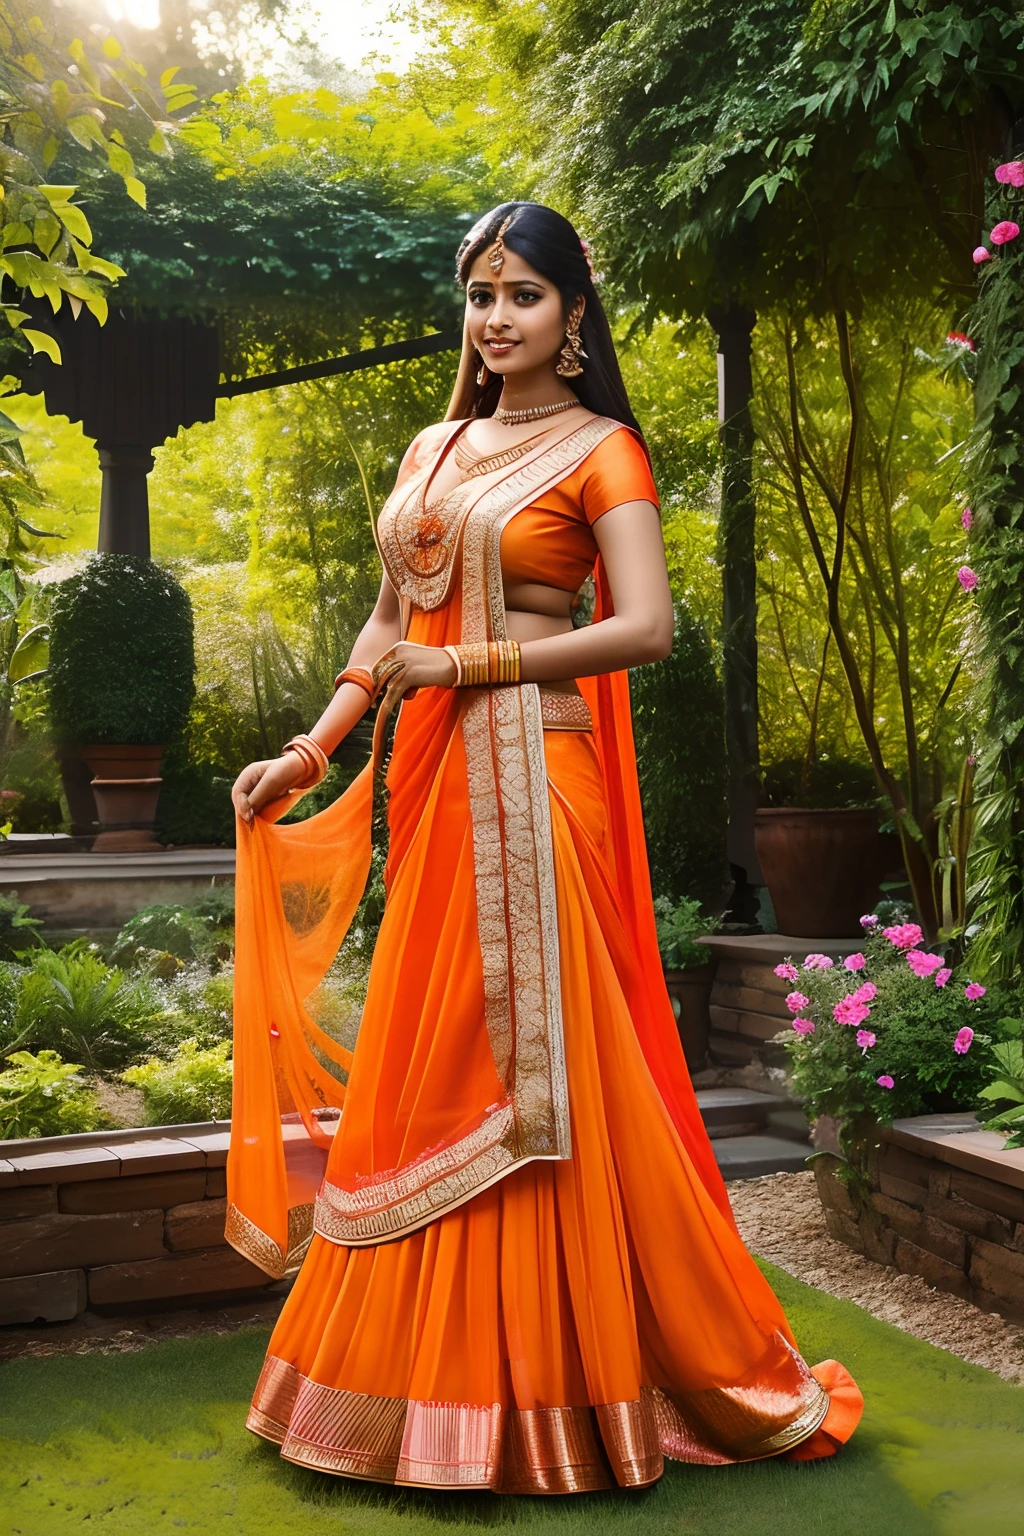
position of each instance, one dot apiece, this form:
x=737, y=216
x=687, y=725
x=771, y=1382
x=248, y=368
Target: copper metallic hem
x=565, y=712
x=514, y=1451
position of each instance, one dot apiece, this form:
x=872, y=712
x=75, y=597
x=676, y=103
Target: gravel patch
x=125, y=1334
x=781, y=1220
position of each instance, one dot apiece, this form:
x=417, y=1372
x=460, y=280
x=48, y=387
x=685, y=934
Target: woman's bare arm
x=261, y=783
x=641, y=628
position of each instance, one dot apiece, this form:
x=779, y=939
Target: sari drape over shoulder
x=523, y=1271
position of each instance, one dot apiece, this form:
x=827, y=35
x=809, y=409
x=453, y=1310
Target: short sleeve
x=615, y=472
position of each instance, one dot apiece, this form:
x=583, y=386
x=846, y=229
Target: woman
x=524, y=1274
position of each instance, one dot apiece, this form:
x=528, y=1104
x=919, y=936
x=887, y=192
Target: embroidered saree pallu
x=522, y=1269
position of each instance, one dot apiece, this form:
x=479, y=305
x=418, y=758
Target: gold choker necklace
x=532, y=412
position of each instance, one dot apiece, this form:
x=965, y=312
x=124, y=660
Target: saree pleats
x=577, y=1321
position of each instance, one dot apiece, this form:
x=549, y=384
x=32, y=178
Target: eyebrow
x=519, y=282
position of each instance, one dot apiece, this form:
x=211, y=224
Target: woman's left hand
x=422, y=666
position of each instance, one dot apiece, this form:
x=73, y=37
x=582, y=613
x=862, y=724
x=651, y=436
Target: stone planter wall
x=115, y=1221
x=748, y=1001
x=947, y=1204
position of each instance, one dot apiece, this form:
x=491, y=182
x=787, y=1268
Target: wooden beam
x=350, y=362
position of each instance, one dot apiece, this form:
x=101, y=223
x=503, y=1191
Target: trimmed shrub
x=122, y=661
x=679, y=727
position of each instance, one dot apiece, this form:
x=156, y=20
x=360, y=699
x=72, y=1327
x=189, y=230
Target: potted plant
x=689, y=972
x=819, y=845
x=890, y=1032
x=122, y=679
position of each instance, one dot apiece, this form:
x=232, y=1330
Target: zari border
x=260, y=1248
x=398, y=1201
x=516, y=1451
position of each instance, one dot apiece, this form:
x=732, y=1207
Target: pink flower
x=849, y=1011
x=962, y=1043
x=904, y=935
x=885, y=1081
x=787, y=972
x=960, y=339
x=865, y=1039
x=981, y=253
x=941, y=977
x=796, y=1002
x=922, y=963
x=967, y=519
x=973, y=991
x=1005, y=231
x=854, y=962
x=804, y=1026
x=1011, y=173
x=817, y=963
x=869, y=920
x=865, y=993
x=967, y=578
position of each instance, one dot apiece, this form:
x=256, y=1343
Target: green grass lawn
x=154, y=1442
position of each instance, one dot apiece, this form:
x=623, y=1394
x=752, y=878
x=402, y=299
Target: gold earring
x=569, y=365
x=481, y=373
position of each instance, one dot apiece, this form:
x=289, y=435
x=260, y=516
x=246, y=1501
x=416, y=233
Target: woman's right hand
x=261, y=783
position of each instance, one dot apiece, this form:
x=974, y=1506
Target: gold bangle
x=313, y=758
x=493, y=663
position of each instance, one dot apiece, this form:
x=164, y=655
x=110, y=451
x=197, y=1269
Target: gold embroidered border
x=260, y=1248
x=524, y=1451
x=401, y=1200
x=565, y=712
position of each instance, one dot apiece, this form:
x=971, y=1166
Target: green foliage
x=122, y=665
x=188, y=933
x=44, y=1096
x=678, y=724
x=1007, y=1084
x=194, y=1085
x=915, y=1023
x=679, y=927
x=58, y=92
x=825, y=783
x=18, y=930
x=70, y=1001
x=994, y=470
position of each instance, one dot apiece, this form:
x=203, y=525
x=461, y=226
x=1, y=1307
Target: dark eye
x=527, y=295
x=480, y=297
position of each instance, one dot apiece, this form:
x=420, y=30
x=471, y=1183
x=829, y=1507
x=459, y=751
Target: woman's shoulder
x=616, y=470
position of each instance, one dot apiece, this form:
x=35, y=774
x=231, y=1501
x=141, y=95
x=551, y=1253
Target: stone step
x=751, y=1157
x=737, y=1111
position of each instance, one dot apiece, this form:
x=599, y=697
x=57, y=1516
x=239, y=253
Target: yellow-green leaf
x=136, y=190
x=76, y=222
x=168, y=75
x=157, y=144
x=50, y=150
x=31, y=655
x=46, y=233
x=57, y=194
x=41, y=342
x=14, y=317
x=85, y=130
x=98, y=307
x=111, y=47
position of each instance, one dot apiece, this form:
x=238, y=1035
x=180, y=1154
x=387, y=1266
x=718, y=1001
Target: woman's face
x=515, y=316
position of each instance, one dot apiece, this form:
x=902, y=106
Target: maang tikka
x=496, y=260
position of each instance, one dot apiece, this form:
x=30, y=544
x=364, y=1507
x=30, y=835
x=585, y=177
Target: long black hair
x=548, y=242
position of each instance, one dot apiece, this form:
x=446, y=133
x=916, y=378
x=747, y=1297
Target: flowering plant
x=887, y=1032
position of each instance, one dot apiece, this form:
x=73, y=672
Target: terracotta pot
x=127, y=787
x=690, y=991
x=822, y=868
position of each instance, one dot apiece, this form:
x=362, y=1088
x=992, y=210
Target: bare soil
x=781, y=1220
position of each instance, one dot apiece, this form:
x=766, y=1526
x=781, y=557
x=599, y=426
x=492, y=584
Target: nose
x=499, y=319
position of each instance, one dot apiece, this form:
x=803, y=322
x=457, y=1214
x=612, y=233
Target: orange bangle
x=313, y=758
x=361, y=676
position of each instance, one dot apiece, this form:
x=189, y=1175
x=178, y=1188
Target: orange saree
x=519, y=1269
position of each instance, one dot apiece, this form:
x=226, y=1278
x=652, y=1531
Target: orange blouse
x=552, y=542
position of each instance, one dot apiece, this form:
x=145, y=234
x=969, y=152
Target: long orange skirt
x=574, y=1324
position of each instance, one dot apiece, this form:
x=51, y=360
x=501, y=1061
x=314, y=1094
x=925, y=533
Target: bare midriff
x=534, y=612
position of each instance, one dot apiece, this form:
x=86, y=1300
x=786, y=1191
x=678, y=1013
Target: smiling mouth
x=499, y=348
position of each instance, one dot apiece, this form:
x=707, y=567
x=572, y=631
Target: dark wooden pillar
x=739, y=600
x=132, y=383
